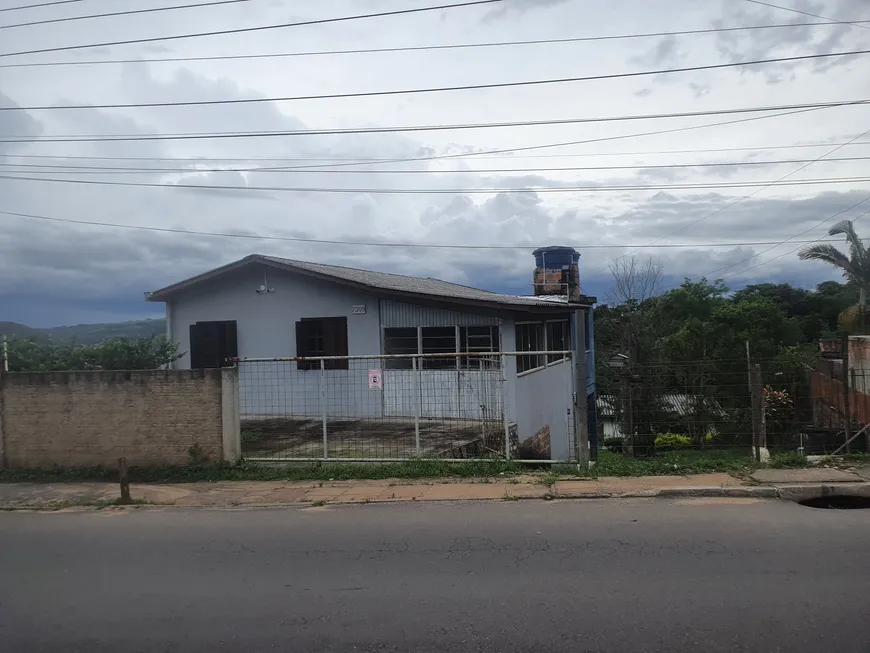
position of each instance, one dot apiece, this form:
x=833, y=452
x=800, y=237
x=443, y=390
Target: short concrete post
x=231, y=421
x=124, y=480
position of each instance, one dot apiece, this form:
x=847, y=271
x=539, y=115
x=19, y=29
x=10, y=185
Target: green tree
x=28, y=355
x=855, y=267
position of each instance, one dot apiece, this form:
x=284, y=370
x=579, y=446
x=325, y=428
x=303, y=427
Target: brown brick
x=94, y=418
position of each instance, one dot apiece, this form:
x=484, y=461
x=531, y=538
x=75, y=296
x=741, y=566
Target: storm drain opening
x=838, y=502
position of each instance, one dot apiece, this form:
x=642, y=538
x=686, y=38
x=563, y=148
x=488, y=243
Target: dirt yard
x=278, y=438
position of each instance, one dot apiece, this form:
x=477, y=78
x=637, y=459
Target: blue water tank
x=555, y=257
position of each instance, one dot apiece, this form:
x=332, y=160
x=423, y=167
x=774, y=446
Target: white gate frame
x=417, y=367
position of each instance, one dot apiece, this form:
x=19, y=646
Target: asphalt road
x=633, y=575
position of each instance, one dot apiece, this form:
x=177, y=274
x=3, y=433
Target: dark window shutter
x=230, y=342
x=335, y=341
x=302, y=349
x=197, y=347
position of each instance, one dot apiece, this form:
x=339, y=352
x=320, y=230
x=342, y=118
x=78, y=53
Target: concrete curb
x=791, y=492
x=761, y=492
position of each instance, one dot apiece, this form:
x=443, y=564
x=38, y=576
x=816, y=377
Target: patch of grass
x=672, y=462
x=317, y=504
x=549, y=478
x=787, y=460
x=245, y=471
x=511, y=497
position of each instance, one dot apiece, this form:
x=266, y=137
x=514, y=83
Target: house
x=264, y=308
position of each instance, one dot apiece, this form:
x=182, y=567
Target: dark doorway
x=213, y=344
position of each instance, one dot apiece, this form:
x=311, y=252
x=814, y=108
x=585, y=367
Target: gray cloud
x=59, y=273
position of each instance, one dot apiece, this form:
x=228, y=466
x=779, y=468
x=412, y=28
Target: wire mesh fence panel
x=704, y=407
x=393, y=407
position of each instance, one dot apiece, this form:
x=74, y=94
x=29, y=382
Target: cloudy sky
x=55, y=272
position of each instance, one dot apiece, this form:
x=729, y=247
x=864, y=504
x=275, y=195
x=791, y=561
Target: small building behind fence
x=342, y=363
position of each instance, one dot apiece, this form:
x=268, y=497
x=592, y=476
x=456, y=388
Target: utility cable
x=245, y=30
x=361, y=160
x=73, y=169
x=361, y=243
x=41, y=4
x=94, y=138
x=432, y=89
x=528, y=148
x=120, y=13
x=761, y=187
x=418, y=48
x=450, y=191
x=856, y=23
x=839, y=147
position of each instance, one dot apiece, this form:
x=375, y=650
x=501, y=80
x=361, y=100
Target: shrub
x=672, y=441
x=613, y=444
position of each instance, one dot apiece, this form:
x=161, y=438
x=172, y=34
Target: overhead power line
x=783, y=242
x=451, y=191
x=728, y=267
x=40, y=4
x=418, y=48
x=119, y=13
x=89, y=138
x=528, y=148
x=434, y=89
x=856, y=23
x=792, y=251
x=362, y=160
x=73, y=169
x=359, y=243
x=261, y=28
x=599, y=139
x=761, y=187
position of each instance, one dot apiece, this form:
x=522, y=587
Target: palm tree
x=855, y=267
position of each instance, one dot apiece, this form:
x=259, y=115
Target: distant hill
x=87, y=334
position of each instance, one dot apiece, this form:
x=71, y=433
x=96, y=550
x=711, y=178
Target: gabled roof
x=383, y=282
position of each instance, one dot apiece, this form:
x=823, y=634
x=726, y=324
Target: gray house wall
x=266, y=323
x=543, y=397
x=266, y=328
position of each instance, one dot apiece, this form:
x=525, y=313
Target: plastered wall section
x=158, y=417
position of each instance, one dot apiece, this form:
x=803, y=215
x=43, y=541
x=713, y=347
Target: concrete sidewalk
x=792, y=484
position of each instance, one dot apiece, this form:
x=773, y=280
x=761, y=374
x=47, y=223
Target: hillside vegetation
x=87, y=334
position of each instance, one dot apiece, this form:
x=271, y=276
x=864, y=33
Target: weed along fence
x=151, y=418
x=400, y=407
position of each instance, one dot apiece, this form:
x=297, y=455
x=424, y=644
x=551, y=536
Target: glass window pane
x=439, y=340
x=400, y=341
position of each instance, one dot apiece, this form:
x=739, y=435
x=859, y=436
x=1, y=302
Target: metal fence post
x=323, y=406
x=418, y=398
x=847, y=400
x=504, y=406
x=759, y=438
x=580, y=385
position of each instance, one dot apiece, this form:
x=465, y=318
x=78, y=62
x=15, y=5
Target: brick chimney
x=557, y=272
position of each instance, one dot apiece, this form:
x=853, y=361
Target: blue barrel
x=555, y=257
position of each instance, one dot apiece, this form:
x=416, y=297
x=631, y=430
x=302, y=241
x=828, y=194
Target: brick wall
x=94, y=418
